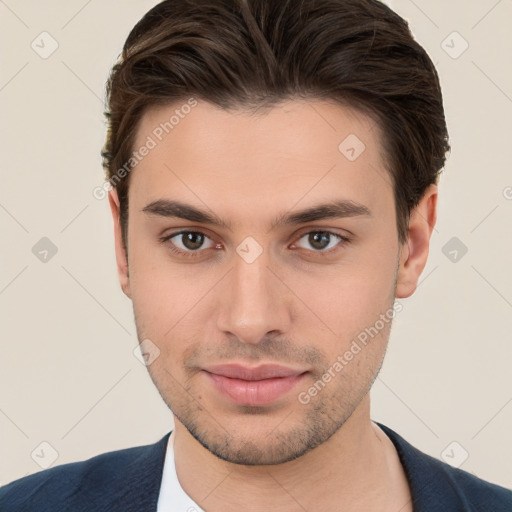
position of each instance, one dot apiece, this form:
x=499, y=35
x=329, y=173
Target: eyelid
x=167, y=238
x=314, y=229
x=343, y=239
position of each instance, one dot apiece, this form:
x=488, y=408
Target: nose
x=254, y=301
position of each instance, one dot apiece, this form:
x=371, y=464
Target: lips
x=266, y=371
x=256, y=386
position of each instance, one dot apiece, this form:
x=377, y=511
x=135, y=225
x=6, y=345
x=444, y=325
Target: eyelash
x=194, y=254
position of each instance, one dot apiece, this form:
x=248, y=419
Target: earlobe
x=414, y=252
x=121, y=256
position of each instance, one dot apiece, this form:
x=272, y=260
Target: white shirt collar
x=172, y=497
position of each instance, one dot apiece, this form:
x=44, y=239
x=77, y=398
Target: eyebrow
x=333, y=209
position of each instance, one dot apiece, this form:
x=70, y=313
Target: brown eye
x=322, y=241
x=192, y=240
x=187, y=243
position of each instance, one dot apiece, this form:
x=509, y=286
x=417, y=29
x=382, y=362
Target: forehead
x=295, y=151
x=305, y=127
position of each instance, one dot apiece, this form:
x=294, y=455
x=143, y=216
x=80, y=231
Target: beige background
x=68, y=374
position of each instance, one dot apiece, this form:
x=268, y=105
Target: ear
x=414, y=252
x=121, y=256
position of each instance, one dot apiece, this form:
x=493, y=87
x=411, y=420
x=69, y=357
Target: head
x=274, y=169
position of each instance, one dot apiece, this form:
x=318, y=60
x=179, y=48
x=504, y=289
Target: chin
x=262, y=443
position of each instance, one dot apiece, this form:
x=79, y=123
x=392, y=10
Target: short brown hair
x=251, y=53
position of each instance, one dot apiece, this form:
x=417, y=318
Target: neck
x=355, y=469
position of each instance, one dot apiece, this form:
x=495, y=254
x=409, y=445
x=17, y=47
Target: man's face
x=259, y=291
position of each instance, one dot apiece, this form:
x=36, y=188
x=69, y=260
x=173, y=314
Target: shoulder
x=87, y=485
x=480, y=494
x=435, y=485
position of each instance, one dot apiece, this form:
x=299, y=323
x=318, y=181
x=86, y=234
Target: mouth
x=256, y=386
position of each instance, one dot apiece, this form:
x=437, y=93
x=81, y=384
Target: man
x=272, y=173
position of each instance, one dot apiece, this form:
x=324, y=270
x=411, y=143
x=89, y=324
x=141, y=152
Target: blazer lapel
x=139, y=484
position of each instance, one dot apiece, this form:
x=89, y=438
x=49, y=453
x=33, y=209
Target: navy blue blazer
x=129, y=481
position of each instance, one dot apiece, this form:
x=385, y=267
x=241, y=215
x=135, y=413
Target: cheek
x=354, y=311
x=166, y=301
x=351, y=293
x=154, y=289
